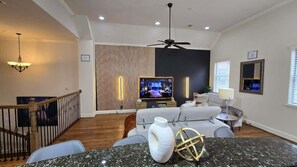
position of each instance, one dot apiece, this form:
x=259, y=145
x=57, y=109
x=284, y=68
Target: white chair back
x=57, y=150
x=224, y=132
x=130, y=140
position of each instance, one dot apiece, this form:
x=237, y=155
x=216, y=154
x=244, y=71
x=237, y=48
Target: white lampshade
x=226, y=93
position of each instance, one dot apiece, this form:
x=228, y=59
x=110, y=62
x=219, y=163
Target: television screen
x=155, y=87
x=252, y=85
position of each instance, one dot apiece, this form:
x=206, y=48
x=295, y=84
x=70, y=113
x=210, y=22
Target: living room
x=57, y=68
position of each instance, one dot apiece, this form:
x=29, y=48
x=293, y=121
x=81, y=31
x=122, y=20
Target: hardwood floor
x=103, y=130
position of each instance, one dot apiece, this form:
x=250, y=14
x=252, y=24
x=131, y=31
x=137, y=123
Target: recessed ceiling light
x=206, y=28
x=101, y=17
x=157, y=23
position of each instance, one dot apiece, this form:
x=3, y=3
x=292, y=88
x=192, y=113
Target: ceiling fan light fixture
x=206, y=28
x=157, y=23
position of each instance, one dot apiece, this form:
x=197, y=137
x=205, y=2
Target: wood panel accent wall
x=126, y=61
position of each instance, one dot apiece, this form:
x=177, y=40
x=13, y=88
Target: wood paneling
x=126, y=61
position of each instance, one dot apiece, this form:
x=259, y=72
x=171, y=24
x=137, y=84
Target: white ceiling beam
x=58, y=11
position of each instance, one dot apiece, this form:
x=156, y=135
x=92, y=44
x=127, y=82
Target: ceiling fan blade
x=178, y=46
x=182, y=43
x=156, y=44
x=160, y=41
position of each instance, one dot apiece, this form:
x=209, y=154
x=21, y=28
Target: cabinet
x=168, y=103
x=141, y=105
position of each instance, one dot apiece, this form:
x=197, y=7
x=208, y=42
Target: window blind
x=293, y=79
x=221, y=75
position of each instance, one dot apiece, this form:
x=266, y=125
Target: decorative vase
x=138, y=100
x=160, y=140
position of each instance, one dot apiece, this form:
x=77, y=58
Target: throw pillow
x=201, y=98
x=191, y=104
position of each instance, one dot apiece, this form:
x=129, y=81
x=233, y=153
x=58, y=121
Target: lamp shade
x=226, y=93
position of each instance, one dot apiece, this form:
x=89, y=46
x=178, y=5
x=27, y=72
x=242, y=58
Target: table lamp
x=226, y=94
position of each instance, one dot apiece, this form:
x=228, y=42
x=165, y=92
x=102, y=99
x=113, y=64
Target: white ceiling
x=218, y=14
x=34, y=23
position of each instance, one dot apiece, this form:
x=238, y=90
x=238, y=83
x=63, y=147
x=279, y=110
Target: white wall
x=271, y=34
x=87, y=79
x=135, y=35
x=54, y=69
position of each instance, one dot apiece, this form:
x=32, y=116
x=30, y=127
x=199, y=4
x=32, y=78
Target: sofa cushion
x=199, y=113
x=206, y=128
x=147, y=116
x=214, y=99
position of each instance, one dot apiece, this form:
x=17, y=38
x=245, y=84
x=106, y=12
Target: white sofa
x=201, y=119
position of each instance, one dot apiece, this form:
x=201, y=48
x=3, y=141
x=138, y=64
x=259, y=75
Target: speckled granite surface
x=222, y=152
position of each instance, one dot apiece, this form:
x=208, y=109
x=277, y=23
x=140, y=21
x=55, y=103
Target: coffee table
x=227, y=119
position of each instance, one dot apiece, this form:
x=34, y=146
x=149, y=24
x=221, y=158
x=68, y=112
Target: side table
x=227, y=119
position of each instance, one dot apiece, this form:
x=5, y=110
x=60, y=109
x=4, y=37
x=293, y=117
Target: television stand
x=168, y=103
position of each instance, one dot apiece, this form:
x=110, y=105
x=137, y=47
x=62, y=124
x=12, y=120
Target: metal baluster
x=54, y=126
x=28, y=139
x=1, y=133
x=23, y=139
x=1, y=145
x=46, y=128
x=4, y=141
x=50, y=122
x=38, y=126
x=44, y=135
x=59, y=117
x=10, y=136
x=47, y=131
x=16, y=133
x=64, y=115
x=67, y=113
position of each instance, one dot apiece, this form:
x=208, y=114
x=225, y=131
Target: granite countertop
x=222, y=152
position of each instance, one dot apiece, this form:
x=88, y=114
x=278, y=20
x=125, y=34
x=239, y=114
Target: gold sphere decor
x=189, y=148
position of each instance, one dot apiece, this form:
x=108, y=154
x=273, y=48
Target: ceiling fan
x=170, y=42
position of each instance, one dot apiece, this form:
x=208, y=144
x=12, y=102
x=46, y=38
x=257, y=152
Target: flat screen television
x=155, y=87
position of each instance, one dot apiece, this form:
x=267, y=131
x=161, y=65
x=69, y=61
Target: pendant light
x=20, y=66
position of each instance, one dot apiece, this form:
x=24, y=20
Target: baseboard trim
x=87, y=115
x=115, y=111
x=271, y=130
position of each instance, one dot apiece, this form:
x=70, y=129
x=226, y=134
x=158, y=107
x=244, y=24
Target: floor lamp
x=226, y=94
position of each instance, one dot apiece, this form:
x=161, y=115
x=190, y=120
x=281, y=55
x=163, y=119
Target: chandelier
x=20, y=66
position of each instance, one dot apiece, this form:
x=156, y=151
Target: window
x=221, y=75
x=293, y=79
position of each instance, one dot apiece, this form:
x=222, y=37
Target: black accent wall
x=181, y=64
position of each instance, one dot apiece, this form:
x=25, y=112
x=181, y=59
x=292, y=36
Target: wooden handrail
x=13, y=133
x=19, y=106
x=57, y=98
x=24, y=106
